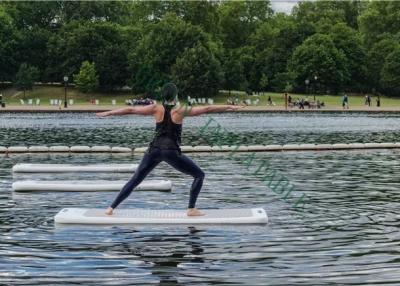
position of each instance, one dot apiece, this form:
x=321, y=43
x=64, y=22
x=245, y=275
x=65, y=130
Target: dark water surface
x=348, y=234
x=244, y=128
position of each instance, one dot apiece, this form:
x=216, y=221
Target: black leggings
x=174, y=158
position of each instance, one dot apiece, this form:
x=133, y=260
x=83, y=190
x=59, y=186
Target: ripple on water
x=347, y=235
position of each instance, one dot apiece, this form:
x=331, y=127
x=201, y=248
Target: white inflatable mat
x=61, y=168
x=142, y=216
x=87, y=186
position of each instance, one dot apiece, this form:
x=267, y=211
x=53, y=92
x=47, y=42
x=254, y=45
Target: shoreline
x=255, y=109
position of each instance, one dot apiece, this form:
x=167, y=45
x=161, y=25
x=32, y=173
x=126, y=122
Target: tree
x=239, y=19
x=274, y=42
x=101, y=42
x=31, y=48
x=87, y=80
x=157, y=52
x=264, y=82
x=8, y=40
x=92, y=11
x=282, y=81
x=328, y=13
x=34, y=14
x=349, y=42
x=319, y=56
x=390, y=75
x=232, y=67
x=26, y=77
x=376, y=59
x=197, y=72
x=379, y=19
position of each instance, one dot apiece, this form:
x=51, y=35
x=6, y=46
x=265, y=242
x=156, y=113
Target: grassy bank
x=12, y=97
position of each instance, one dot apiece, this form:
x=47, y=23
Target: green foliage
x=141, y=43
x=100, y=42
x=319, y=56
x=28, y=14
x=157, y=52
x=233, y=72
x=349, y=42
x=91, y=11
x=8, y=41
x=239, y=19
x=282, y=81
x=26, y=76
x=376, y=59
x=197, y=72
x=87, y=80
x=390, y=75
x=328, y=13
x=380, y=18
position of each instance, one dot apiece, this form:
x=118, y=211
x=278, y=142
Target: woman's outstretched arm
x=142, y=110
x=195, y=111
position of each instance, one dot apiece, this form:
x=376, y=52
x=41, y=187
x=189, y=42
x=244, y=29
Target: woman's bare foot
x=109, y=211
x=194, y=212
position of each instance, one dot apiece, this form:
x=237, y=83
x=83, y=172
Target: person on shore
x=165, y=145
x=345, y=101
x=269, y=100
x=301, y=103
x=378, y=101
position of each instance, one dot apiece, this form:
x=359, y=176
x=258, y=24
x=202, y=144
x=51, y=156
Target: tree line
x=204, y=46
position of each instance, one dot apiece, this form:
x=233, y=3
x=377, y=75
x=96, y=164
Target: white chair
x=248, y=101
x=30, y=101
x=113, y=102
x=97, y=102
x=71, y=102
x=210, y=101
x=37, y=101
x=22, y=102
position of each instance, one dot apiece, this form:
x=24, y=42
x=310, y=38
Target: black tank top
x=168, y=134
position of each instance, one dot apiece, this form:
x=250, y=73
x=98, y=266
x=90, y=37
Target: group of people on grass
x=301, y=103
x=368, y=100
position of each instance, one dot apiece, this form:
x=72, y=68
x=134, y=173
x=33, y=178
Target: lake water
x=348, y=233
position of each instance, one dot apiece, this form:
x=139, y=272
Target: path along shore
x=97, y=108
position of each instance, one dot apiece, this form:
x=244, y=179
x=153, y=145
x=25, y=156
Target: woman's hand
x=103, y=114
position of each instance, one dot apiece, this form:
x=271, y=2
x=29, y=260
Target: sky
x=283, y=6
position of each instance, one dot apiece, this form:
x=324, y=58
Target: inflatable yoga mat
x=87, y=186
x=142, y=216
x=61, y=168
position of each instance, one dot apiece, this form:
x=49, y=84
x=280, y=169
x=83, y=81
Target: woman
x=165, y=144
